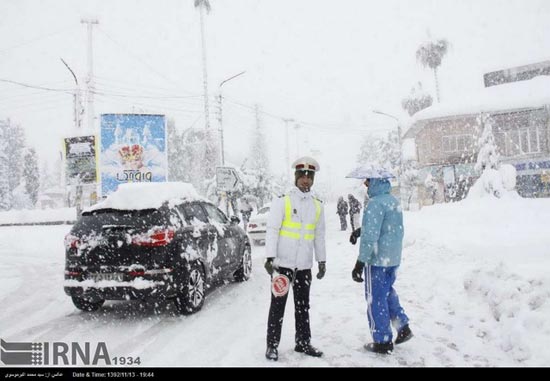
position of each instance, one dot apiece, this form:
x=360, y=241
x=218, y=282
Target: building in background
x=446, y=136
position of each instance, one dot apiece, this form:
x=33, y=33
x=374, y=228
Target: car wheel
x=87, y=305
x=243, y=273
x=191, y=297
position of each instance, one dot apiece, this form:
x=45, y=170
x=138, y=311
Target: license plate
x=107, y=276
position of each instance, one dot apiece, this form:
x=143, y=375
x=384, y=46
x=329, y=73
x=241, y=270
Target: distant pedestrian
x=246, y=211
x=342, y=211
x=354, y=211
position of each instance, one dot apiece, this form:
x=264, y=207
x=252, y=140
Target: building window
x=521, y=141
x=457, y=143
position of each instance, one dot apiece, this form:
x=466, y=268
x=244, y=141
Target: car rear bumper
x=141, y=287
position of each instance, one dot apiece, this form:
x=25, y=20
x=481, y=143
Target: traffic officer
x=295, y=228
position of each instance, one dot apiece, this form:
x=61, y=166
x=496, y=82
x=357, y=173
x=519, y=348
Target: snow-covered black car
x=153, y=240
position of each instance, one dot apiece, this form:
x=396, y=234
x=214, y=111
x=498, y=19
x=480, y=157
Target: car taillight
x=154, y=238
x=252, y=226
x=71, y=241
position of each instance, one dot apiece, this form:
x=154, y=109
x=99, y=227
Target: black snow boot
x=382, y=348
x=271, y=353
x=403, y=335
x=308, y=349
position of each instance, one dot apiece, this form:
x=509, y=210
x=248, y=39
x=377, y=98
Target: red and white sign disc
x=280, y=285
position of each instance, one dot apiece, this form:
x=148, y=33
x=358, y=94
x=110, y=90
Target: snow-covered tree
x=192, y=170
x=495, y=180
x=14, y=137
x=257, y=165
x=211, y=158
x=417, y=100
x=487, y=156
x=431, y=186
x=5, y=194
x=176, y=154
x=430, y=54
x=31, y=176
x=382, y=152
x=409, y=183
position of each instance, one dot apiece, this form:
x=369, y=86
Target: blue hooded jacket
x=382, y=229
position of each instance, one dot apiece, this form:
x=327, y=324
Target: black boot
x=271, y=353
x=308, y=349
x=382, y=348
x=403, y=335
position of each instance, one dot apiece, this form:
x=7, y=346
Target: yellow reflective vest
x=295, y=230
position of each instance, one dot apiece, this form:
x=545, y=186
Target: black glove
x=269, y=265
x=358, y=271
x=354, y=235
x=322, y=270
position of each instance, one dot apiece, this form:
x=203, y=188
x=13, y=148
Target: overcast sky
x=325, y=63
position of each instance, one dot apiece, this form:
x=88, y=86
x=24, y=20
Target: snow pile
x=138, y=196
x=518, y=306
x=27, y=216
x=498, y=183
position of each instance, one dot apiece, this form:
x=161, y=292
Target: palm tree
x=430, y=55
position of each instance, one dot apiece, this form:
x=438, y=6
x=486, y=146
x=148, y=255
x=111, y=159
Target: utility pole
x=90, y=79
x=220, y=99
x=202, y=6
x=287, y=150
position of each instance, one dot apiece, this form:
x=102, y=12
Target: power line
x=136, y=56
x=68, y=91
x=33, y=40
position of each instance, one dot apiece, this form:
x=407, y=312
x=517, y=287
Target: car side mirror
x=235, y=220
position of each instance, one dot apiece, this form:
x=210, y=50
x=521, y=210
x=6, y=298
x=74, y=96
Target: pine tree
x=488, y=156
x=490, y=182
x=14, y=138
x=31, y=175
x=5, y=194
x=192, y=143
x=175, y=153
x=258, y=165
x=380, y=152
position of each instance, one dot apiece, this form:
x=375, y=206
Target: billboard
x=80, y=160
x=133, y=149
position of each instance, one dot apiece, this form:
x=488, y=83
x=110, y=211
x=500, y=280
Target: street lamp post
x=220, y=98
x=399, y=142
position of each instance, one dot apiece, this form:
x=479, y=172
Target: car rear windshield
x=138, y=219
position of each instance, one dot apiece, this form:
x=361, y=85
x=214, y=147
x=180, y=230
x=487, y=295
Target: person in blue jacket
x=379, y=258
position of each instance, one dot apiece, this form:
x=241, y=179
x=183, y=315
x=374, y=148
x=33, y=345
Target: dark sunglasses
x=308, y=174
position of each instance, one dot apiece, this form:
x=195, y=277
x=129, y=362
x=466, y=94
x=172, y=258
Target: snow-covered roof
x=516, y=95
x=139, y=196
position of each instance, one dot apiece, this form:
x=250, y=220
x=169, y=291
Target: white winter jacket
x=289, y=252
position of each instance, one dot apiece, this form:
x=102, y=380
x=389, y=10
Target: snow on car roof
x=139, y=196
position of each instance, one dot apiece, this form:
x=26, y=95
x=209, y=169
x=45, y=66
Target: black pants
x=343, y=222
x=300, y=289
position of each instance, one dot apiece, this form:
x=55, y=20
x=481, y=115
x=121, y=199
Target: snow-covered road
x=474, y=297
